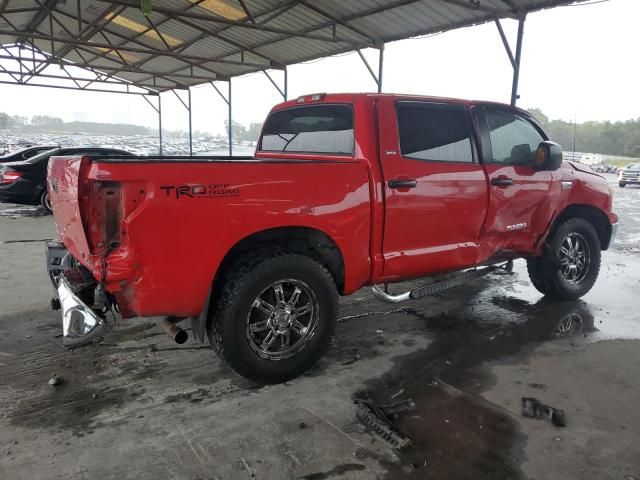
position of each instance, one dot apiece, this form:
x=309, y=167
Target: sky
x=578, y=62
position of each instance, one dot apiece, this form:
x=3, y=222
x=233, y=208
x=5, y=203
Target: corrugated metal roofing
x=188, y=42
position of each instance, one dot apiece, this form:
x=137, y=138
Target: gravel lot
x=137, y=406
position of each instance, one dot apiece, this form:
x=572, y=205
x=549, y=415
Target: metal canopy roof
x=188, y=42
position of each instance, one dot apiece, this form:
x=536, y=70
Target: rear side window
x=310, y=129
x=514, y=140
x=432, y=131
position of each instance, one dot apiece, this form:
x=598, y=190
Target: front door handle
x=402, y=183
x=501, y=182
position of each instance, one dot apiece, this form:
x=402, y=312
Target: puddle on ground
x=455, y=433
x=611, y=300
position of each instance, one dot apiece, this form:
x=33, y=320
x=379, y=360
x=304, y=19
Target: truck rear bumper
x=80, y=323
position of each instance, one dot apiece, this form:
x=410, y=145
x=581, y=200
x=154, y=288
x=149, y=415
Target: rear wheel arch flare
x=293, y=239
x=302, y=240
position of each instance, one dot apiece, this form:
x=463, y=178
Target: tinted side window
x=514, y=140
x=310, y=129
x=430, y=131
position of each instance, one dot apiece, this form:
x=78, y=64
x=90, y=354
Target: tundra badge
x=516, y=227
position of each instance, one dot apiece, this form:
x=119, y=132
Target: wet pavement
x=138, y=406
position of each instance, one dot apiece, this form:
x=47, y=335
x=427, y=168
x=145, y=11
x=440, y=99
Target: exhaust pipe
x=169, y=327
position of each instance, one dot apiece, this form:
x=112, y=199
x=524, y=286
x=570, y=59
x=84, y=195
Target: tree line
x=46, y=124
x=608, y=138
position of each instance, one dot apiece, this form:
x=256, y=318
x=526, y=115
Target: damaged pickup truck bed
x=344, y=190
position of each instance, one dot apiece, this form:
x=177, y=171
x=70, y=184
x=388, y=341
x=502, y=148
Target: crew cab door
x=520, y=204
x=435, y=190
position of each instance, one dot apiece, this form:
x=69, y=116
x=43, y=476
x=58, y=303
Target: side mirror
x=548, y=156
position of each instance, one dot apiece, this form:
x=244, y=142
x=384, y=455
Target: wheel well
x=593, y=215
x=302, y=240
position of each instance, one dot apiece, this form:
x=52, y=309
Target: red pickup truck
x=344, y=190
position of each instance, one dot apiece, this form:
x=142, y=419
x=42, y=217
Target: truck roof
x=353, y=97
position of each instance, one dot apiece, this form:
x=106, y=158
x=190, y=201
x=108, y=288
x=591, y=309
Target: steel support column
x=380, y=67
x=376, y=78
x=160, y=123
x=286, y=83
x=516, y=70
x=190, y=124
x=187, y=106
x=281, y=91
x=158, y=110
x=227, y=100
x=515, y=60
x=230, y=122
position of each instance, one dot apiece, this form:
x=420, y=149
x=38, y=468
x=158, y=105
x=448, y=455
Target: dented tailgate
x=64, y=185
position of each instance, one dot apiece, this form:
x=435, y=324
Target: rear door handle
x=501, y=182
x=402, y=183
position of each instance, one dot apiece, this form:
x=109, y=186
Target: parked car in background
x=629, y=175
x=25, y=182
x=604, y=168
x=26, y=153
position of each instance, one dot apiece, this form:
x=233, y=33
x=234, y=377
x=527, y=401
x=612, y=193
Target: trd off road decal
x=212, y=190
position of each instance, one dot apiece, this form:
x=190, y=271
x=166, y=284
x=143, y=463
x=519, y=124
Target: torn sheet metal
x=533, y=408
x=80, y=324
x=375, y=418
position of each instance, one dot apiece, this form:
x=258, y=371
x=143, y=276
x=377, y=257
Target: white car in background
x=629, y=175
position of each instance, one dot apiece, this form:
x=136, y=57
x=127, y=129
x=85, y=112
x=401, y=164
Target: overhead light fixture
x=145, y=30
x=222, y=9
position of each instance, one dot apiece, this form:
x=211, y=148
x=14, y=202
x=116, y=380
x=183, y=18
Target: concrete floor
x=137, y=406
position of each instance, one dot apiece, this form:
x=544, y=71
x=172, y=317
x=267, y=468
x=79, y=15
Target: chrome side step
x=435, y=287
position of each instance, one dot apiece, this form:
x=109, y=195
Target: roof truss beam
x=124, y=48
x=86, y=66
x=38, y=18
x=178, y=49
x=88, y=89
x=477, y=6
x=220, y=20
x=31, y=67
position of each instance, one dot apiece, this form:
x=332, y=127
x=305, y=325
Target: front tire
x=570, y=263
x=276, y=317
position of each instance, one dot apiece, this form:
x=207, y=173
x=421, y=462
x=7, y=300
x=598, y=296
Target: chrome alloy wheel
x=575, y=258
x=282, y=319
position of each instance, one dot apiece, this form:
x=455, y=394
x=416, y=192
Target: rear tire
x=570, y=263
x=276, y=316
x=622, y=185
x=45, y=201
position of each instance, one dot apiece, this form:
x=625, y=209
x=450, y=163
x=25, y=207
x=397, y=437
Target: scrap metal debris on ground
x=533, y=408
x=376, y=418
x=56, y=381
